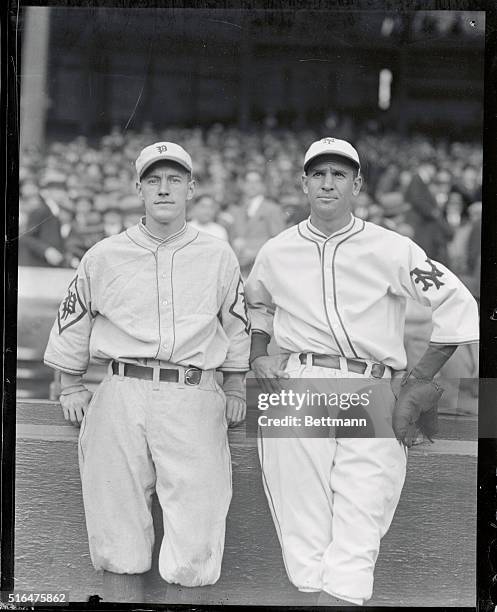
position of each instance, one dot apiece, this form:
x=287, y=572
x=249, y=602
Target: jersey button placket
x=165, y=302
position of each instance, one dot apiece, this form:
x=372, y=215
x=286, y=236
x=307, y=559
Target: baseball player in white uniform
x=332, y=292
x=162, y=305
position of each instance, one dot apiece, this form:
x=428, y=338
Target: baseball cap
x=160, y=151
x=331, y=146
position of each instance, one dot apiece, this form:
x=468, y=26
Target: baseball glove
x=416, y=409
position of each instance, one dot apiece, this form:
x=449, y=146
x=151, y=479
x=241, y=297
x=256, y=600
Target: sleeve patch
x=72, y=308
x=239, y=307
x=429, y=278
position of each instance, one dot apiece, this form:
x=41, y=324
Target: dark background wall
x=196, y=66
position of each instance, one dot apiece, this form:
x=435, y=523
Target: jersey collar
x=141, y=235
x=311, y=232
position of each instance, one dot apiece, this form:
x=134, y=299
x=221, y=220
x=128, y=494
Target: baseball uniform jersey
x=173, y=303
x=333, y=499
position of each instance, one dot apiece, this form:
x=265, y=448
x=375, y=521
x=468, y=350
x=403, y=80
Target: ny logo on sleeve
x=429, y=278
x=72, y=308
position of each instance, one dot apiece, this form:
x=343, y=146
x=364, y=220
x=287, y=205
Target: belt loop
x=120, y=368
x=156, y=378
x=343, y=363
x=308, y=360
x=110, y=371
x=368, y=372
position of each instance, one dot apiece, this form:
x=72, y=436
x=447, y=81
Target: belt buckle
x=193, y=376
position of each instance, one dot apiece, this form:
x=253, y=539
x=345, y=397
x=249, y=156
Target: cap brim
x=337, y=153
x=159, y=158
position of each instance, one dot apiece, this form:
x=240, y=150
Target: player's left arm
x=454, y=309
x=455, y=321
x=234, y=319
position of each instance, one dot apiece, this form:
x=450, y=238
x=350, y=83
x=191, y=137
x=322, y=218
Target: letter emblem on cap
x=328, y=140
x=162, y=148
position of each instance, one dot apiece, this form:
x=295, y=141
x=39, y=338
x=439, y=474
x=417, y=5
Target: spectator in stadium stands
x=394, y=210
x=112, y=221
x=293, y=208
x=66, y=218
x=431, y=230
x=40, y=241
x=86, y=231
x=469, y=185
x=103, y=173
x=131, y=218
x=474, y=249
x=255, y=221
x=203, y=217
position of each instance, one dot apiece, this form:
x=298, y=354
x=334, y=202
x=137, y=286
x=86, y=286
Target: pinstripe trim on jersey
x=308, y=239
x=308, y=226
x=314, y=230
x=52, y=364
x=172, y=287
x=326, y=243
x=455, y=342
x=322, y=285
x=361, y=229
x=144, y=229
x=158, y=300
x=149, y=249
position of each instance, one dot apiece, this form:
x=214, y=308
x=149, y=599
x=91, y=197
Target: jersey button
x=164, y=302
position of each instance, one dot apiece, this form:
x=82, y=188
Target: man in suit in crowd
x=431, y=230
x=255, y=221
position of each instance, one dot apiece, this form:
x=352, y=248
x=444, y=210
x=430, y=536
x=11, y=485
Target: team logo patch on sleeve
x=429, y=278
x=72, y=308
x=239, y=307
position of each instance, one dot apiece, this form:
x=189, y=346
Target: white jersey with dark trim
x=346, y=294
x=136, y=297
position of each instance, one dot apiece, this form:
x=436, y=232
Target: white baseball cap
x=331, y=146
x=162, y=151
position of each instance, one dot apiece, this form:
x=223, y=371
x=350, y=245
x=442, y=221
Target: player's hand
x=236, y=410
x=268, y=369
x=53, y=256
x=74, y=406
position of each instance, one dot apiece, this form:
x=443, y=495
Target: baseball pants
x=139, y=436
x=333, y=499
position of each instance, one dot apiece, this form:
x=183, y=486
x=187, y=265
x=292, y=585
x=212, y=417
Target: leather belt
x=353, y=365
x=192, y=375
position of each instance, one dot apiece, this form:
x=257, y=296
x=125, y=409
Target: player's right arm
x=68, y=345
x=74, y=397
x=268, y=369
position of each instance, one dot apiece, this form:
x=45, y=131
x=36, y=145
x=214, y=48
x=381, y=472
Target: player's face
x=165, y=189
x=331, y=184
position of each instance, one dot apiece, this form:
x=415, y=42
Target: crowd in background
x=249, y=188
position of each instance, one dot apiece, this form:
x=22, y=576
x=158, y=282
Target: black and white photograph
x=249, y=253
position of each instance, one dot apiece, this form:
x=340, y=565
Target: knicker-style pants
x=139, y=436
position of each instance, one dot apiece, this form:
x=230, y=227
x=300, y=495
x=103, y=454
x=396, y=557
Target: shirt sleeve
x=68, y=344
x=260, y=303
x=236, y=323
x=454, y=309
